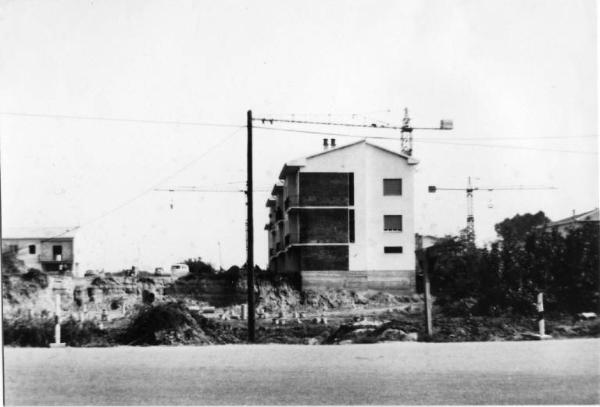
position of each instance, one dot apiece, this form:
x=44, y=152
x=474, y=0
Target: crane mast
x=470, y=189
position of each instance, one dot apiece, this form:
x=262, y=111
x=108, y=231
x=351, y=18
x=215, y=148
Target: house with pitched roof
x=564, y=226
x=344, y=218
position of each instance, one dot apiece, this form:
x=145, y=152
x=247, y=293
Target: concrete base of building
x=393, y=281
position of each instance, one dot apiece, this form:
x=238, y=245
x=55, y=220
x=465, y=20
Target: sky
x=519, y=80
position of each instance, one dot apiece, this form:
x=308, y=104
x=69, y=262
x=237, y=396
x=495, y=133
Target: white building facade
x=47, y=249
x=344, y=218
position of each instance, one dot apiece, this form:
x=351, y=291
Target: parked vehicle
x=179, y=270
x=160, y=271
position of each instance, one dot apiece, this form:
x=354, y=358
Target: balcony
x=302, y=201
x=296, y=238
x=47, y=258
x=278, y=215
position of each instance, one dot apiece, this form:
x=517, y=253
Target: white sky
x=497, y=68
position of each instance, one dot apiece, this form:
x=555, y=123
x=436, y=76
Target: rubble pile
x=165, y=324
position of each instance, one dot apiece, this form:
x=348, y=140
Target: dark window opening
x=31, y=249
x=13, y=248
x=392, y=223
x=392, y=186
x=351, y=226
x=323, y=189
x=321, y=258
x=57, y=250
x=392, y=249
x=351, y=189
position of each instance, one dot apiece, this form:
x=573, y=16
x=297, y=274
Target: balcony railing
x=55, y=258
x=295, y=201
x=295, y=238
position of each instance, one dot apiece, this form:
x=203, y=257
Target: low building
x=48, y=249
x=344, y=218
x=564, y=226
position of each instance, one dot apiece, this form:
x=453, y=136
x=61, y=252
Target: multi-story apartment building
x=47, y=249
x=344, y=218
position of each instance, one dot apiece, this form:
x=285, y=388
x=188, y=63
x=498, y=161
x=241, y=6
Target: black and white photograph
x=330, y=202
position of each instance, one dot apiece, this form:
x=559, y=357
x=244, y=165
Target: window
x=392, y=249
x=13, y=248
x=31, y=249
x=392, y=223
x=351, y=189
x=56, y=250
x=351, y=226
x=392, y=186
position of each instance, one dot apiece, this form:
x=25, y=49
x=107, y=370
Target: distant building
x=344, y=218
x=564, y=226
x=47, y=249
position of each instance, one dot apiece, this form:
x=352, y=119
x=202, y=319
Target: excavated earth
x=107, y=310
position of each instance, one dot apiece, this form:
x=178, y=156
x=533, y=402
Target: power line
x=119, y=119
x=432, y=141
x=150, y=189
x=372, y=125
x=324, y=133
x=509, y=147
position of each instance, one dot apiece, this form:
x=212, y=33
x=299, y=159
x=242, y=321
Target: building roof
x=589, y=216
x=39, y=232
x=301, y=162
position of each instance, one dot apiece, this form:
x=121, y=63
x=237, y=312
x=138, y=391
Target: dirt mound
x=375, y=330
x=103, y=282
x=165, y=324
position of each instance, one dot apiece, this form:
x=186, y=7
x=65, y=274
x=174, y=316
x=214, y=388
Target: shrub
x=37, y=332
x=37, y=276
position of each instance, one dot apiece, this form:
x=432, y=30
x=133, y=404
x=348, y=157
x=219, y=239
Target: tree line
x=528, y=258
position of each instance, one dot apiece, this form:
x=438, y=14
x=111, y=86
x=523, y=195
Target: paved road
x=551, y=372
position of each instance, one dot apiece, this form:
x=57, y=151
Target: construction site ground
x=109, y=311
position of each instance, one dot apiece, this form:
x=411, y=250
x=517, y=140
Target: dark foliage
x=39, y=332
x=36, y=276
x=35, y=332
x=10, y=264
x=199, y=267
x=508, y=276
x=519, y=226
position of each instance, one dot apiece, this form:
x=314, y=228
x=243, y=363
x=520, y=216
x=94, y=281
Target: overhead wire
x=118, y=119
x=147, y=190
x=426, y=140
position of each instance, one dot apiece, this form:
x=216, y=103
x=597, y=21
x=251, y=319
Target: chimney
x=332, y=143
x=325, y=144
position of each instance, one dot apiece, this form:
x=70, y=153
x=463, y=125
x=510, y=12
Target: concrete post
x=540, y=309
x=57, y=343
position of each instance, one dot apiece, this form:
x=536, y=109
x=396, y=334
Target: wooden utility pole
x=427, y=289
x=250, y=236
x=423, y=260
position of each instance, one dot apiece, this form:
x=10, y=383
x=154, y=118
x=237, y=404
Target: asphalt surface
x=549, y=372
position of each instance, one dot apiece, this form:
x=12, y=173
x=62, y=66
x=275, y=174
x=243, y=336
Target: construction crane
x=406, y=139
x=470, y=189
x=406, y=129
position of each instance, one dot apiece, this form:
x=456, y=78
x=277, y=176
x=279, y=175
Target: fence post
x=540, y=310
x=57, y=343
